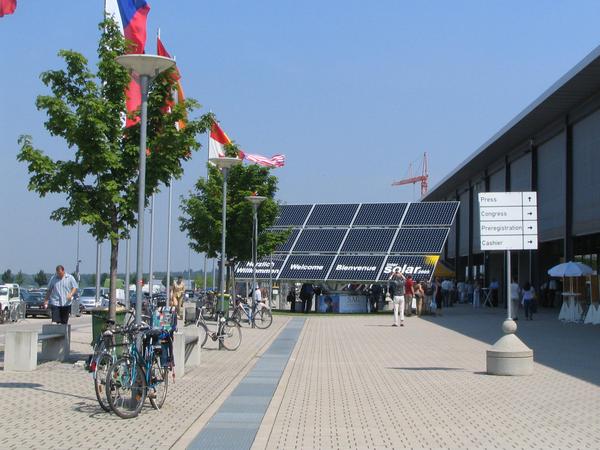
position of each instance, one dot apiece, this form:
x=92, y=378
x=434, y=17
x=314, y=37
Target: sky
x=350, y=91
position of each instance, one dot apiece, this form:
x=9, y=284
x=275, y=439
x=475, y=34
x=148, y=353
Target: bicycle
x=229, y=333
x=259, y=316
x=208, y=308
x=137, y=375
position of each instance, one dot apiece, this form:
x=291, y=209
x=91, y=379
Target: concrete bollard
x=20, y=351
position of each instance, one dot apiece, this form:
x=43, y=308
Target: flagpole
x=169, y=242
x=151, y=275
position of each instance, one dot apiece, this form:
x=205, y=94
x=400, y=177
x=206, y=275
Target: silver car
x=87, y=298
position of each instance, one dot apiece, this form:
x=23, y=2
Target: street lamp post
x=255, y=200
x=147, y=67
x=224, y=164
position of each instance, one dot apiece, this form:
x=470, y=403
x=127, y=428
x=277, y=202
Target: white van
x=9, y=293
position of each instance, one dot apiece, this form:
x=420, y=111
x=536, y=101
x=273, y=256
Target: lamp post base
x=509, y=355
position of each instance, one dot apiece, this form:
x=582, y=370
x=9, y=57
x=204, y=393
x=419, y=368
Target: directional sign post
x=508, y=221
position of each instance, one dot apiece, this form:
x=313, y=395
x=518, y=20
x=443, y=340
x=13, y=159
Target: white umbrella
x=570, y=269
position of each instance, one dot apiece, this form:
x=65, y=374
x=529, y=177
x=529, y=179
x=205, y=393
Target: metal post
x=271, y=300
x=127, y=275
x=508, y=289
x=205, y=273
x=144, y=80
x=77, y=274
x=98, y=259
x=254, y=245
x=169, y=243
x=151, y=267
x=223, y=237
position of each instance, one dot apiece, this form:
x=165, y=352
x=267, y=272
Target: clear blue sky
x=350, y=91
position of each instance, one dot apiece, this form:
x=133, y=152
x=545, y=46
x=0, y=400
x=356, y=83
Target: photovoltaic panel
x=319, y=240
x=421, y=267
x=380, y=214
x=369, y=240
x=332, y=215
x=306, y=267
x=287, y=245
x=420, y=240
x=356, y=268
x=430, y=214
x=292, y=215
x=243, y=270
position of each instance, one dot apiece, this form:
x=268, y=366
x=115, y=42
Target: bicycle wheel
x=203, y=333
x=237, y=315
x=102, y=365
x=263, y=318
x=231, y=335
x=125, y=388
x=159, y=383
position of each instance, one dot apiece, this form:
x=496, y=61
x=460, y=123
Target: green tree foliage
x=20, y=278
x=7, y=276
x=201, y=218
x=41, y=278
x=98, y=169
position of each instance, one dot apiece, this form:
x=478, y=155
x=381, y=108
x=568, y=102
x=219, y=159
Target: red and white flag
x=216, y=149
x=176, y=77
x=7, y=7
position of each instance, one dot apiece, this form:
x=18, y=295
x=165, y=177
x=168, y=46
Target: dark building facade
x=552, y=147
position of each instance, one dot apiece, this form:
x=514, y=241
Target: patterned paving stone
x=356, y=382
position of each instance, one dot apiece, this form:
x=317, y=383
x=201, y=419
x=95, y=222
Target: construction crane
x=412, y=179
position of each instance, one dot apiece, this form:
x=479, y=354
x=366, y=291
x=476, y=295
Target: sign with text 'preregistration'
x=508, y=220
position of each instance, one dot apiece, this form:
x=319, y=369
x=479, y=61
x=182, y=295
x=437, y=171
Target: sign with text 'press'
x=508, y=220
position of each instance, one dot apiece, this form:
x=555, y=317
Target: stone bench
x=186, y=349
x=21, y=347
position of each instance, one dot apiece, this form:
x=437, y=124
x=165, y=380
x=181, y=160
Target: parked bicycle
x=140, y=373
x=228, y=333
x=259, y=316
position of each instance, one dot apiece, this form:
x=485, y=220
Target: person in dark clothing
x=291, y=298
x=306, y=295
x=374, y=296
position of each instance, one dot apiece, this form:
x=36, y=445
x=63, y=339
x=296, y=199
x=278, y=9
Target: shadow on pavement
x=570, y=348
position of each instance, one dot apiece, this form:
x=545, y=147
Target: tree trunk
x=114, y=255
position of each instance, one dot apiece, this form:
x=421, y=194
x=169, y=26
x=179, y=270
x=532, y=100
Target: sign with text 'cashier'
x=508, y=220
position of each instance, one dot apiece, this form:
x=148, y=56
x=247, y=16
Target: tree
x=19, y=278
x=7, y=276
x=100, y=177
x=201, y=218
x=41, y=278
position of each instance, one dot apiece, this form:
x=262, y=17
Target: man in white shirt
x=61, y=289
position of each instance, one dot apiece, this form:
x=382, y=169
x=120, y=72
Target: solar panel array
x=357, y=242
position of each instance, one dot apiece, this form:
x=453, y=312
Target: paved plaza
x=345, y=382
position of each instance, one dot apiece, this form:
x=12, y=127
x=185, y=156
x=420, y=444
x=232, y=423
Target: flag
x=7, y=7
x=217, y=141
x=162, y=51
x=131, y=17
x=274, y=161
x=216, y=149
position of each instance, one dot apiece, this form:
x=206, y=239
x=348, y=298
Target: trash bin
x=99, y=317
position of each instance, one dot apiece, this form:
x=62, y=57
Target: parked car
x=34, y=304
x=87, y=299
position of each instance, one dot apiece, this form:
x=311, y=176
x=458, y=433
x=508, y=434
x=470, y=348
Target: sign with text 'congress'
x=508, y=220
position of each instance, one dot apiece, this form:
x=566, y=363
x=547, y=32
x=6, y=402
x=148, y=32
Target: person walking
x=419, y=297
x=494, y=288
x=178, y=290
x=61, y=289
x=409, y=293
x=528, y=300
x=306, y=295
x=375, y=296
x=515, y=292
x=396, y=290
x=291, y=298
